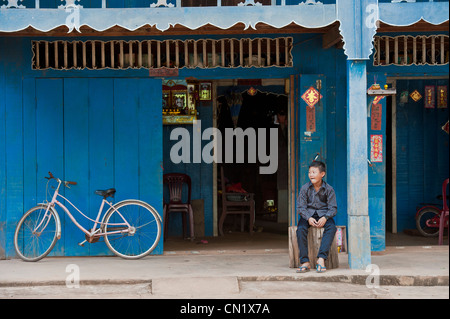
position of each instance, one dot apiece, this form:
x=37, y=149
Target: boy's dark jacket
x=323, y=202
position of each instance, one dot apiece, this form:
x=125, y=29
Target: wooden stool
x=314, y=240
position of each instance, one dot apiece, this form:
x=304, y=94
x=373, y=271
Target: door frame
x=288, y=83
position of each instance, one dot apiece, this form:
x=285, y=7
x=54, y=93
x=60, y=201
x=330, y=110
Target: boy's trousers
x=327, y=239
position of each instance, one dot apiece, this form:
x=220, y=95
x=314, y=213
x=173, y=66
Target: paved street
x=397, y=273
x=248, y=290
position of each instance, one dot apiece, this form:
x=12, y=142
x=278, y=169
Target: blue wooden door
x=101, y=133
x=311, y=124
x=422, y=150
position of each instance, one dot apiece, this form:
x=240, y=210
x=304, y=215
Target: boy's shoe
x=303, y=269
x=320, y=268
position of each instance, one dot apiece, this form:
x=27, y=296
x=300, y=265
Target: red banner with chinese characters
x=442, y=96
x=376, y=117
x=430, y=93
x=310, y=119
x=376, y=148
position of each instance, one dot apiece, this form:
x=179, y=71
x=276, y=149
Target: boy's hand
x=312, y=221
x=321, y=222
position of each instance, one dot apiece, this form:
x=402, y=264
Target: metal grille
x=150, y=54
x=411, y=50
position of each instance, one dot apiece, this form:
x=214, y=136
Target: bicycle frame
x=95, y=232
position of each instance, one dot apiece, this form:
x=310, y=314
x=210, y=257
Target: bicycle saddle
x=107, y=193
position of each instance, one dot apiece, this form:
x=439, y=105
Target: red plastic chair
x=175, y=182
x=444, y=214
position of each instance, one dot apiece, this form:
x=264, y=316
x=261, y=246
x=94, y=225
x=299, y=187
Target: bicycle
x=428, y=217
x=131, y=228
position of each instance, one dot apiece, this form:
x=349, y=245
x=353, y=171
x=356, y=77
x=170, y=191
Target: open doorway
x=417, y=156
x=254, y=108
x=262, y=108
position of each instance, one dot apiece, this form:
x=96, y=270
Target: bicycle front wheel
x=138, y=240
x=36, y=233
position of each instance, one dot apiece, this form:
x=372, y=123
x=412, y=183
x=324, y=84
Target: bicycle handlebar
x=51, y=176
x=65, y=182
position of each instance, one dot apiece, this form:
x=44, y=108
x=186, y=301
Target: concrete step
x=203, y=287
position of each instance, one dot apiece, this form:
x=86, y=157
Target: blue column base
x=359, y=242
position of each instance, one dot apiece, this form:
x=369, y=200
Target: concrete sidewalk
x=219, y=270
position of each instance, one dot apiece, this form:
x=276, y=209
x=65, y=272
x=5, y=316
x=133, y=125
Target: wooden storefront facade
x=96, y=117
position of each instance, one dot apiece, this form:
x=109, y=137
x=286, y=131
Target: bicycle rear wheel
x=429, y=215
x=32, y=243
x=138, y=240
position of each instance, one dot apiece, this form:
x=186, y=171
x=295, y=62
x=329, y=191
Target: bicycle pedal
x=82, y=243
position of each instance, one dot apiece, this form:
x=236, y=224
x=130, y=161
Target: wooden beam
x=331, y=38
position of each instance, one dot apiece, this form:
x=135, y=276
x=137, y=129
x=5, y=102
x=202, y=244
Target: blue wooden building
x=81, y=95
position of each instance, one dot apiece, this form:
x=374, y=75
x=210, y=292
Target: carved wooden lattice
x=204, y=53
x=411, y=50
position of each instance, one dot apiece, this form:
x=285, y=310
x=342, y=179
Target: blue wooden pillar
x=357, y=169
x=2, y=153
x=358, y=25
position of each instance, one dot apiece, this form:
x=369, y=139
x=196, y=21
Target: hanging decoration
x=205, y=91
x=311, y=96
x=442, y=96
x=234, y=100
x=445, y=127
x=404, y=97
x=252, y=91
x=376, y=148
x=310, y=119
x=377, y=99
x=376, y=117
x=415, y=95
x=430, y=93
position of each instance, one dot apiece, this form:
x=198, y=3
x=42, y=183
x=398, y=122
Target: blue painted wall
x=95, y=131
x=19, y=85
x=22, y=83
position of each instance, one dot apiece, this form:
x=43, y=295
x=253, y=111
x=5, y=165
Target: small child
x=316, y=204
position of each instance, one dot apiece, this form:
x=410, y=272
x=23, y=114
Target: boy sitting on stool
x=316, y=204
